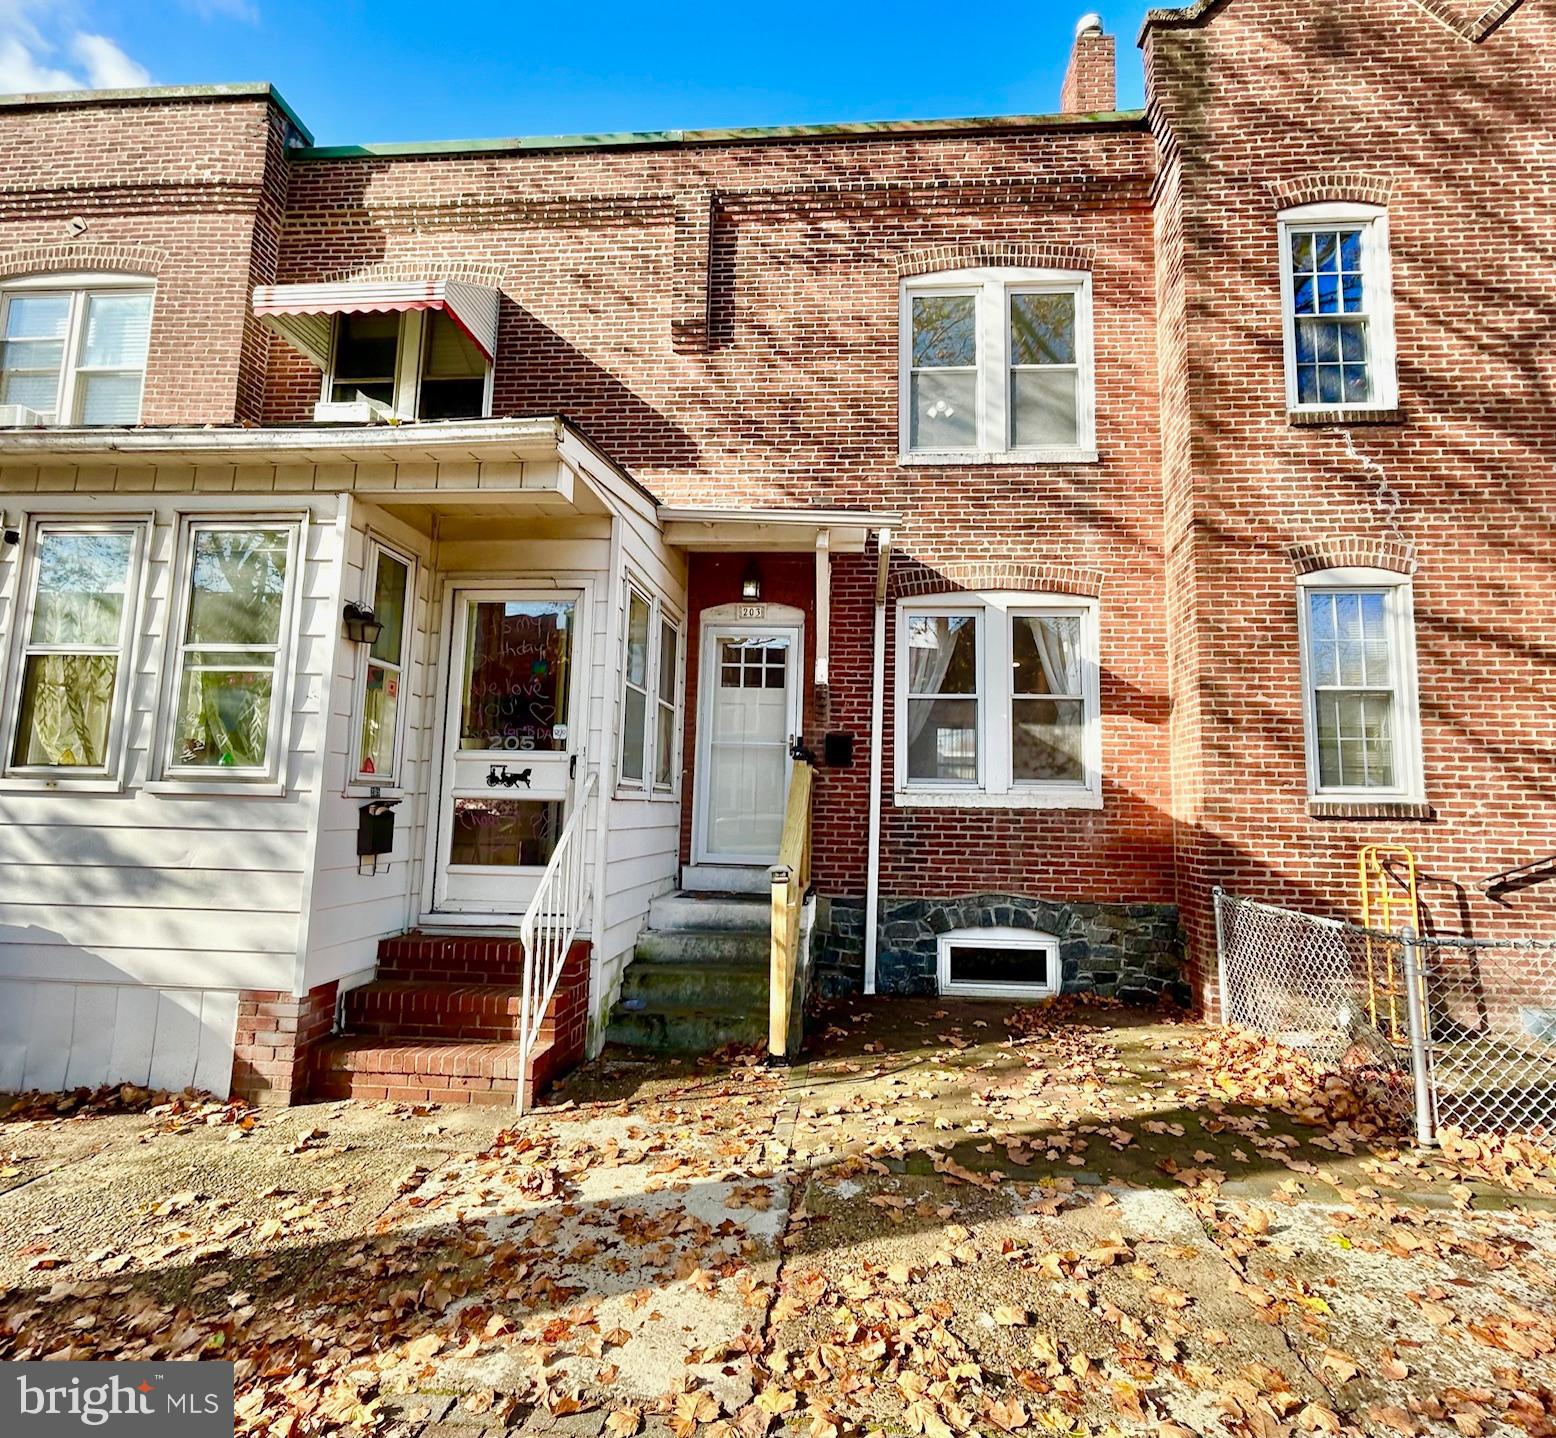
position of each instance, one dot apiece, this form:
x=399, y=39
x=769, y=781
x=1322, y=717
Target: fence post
x=1217, y=895
x=1415, y=1009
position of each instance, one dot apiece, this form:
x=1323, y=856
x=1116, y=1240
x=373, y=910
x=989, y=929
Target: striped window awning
x=301, y=314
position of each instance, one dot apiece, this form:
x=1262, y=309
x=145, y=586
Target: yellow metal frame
x=1389, y=902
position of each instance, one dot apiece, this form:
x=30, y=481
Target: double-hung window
x=997, y=364
x=230, y=691
x=417, y=365
x=1337, y=308
x=650, y=695
x=73, y=349
x=1358, y=647
x=390, y=576
x=77, y=634
x=997, y=701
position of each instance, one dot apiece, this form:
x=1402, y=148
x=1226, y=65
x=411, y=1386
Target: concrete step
x=425, y=1009
x=739, y=988
x=678, y=913
x=711, y=946
x=417, y=1070
x=726, y=878
x=684, y=1028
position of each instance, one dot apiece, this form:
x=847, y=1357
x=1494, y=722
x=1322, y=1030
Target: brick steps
x=440, y=1025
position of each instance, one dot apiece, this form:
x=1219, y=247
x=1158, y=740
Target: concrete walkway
x=1094, y=1221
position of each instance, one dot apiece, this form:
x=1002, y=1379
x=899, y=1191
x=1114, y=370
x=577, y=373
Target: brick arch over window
x=429, y=268
x=1040, y=576
x=1309, y=556
x=1348, y=187
x=84, y=256
x=986, y=254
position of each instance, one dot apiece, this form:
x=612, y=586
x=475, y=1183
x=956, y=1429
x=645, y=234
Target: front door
x=749, y=712
x=510, y=745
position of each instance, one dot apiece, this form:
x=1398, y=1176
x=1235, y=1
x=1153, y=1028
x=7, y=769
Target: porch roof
x=773, y=529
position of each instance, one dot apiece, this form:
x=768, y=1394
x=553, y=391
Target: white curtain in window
x=931, y=643
x=1057, y=639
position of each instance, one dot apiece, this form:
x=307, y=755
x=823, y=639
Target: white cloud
x=42, y=47
x=107, y=66
x=244, y=10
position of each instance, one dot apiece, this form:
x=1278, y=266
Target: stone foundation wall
x=1133, y=952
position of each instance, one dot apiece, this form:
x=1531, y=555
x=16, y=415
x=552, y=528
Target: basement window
x=999, y=963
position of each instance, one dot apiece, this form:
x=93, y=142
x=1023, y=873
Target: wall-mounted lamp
x=751, y=582
x=362, y=625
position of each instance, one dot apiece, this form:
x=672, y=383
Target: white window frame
x=1000, y=936
x=109, y=775
x=993, y=289
x=1377, y=298
x=80, y=286
x=996, y=613
x=1399, y=611
x=360, y=782
x=410, y=358
x=668, y=713
x=660, y=615
x=174, y=777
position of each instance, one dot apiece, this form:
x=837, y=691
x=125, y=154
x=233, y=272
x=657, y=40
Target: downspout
x=872, y=890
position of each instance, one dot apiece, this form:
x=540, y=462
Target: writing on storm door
x=509, y=768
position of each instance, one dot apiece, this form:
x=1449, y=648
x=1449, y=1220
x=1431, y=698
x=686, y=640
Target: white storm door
x=749, y=685
x=510, y=755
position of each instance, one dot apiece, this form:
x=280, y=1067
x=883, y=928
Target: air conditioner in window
x=19, y=414
x=360, y=410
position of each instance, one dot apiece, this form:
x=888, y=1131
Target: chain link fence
x=1442, y=1032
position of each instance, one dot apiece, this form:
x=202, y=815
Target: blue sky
x=409, y=70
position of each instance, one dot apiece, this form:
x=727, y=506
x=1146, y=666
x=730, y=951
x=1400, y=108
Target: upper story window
x=997, y=701
x=417, y=365
x=73, y=349
x=1359, y=683
x=997, y=364
x=1338, y=312
x=77, y=629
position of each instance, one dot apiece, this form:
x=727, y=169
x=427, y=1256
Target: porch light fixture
x=751, y=582
x=362, y=625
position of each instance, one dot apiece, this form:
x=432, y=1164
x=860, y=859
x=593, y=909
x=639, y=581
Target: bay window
x=383, y=677
x=77, y=634
x=73, y=349
x=997, y=701
x=997, y=365
x=1358, y=662
x=229, y=685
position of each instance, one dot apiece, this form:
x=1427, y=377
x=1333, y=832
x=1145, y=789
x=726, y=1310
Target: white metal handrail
x=550, y=924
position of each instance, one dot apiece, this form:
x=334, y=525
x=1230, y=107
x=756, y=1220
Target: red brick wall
x=184, y=192
x=1091, y=81
x=1262, y=103
x=276, y=1034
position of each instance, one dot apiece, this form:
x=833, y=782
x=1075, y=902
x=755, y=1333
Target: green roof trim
x=628, y=139
x=162, y=94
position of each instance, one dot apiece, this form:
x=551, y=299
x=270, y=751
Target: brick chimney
x=1091, y=82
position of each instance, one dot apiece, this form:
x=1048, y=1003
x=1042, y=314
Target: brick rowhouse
x=719, y=313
